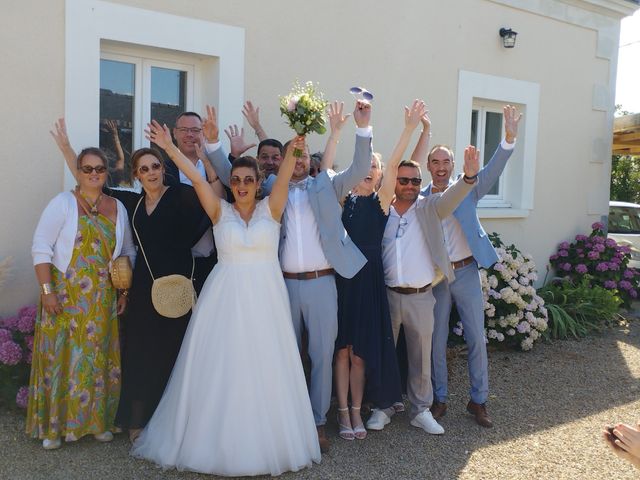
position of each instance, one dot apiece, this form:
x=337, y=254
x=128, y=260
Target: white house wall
x=400, y=51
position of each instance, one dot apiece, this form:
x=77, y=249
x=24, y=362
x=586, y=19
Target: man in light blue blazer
x=314, y=245
x=469, y=248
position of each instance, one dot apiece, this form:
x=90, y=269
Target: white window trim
x=491, y=200
x=88, y=22
x=507, y=90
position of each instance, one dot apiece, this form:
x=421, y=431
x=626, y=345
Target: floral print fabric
x=75, y=373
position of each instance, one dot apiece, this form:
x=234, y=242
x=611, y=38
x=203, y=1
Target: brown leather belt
x=409, y=290
x=462, y=263
x=308, y=275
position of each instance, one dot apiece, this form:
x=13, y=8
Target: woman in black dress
x=168, y=220
x=364, y=347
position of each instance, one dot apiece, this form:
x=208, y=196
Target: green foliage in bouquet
x=304, y=108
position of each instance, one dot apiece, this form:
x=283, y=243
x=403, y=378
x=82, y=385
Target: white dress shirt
x=405, y=256
x=455, y=241
x=204, y=247
x=302, y=250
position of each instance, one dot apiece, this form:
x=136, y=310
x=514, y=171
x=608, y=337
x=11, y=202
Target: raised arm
x=336, y=122
x=344, y=181
x=59, y=134
x=412, y=116
x=488, y=176
x=253, y=119
x=161, y=136
x=112, y=126
x=280, y=189
x=212, y=176
x=421, y=151
x=216, y=156
x=236, y=139
x=454, y=195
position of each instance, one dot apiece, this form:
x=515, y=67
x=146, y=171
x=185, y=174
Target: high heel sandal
x=359, y=431
x=346, y=432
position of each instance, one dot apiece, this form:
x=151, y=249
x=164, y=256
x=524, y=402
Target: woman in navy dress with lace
x=364, y=347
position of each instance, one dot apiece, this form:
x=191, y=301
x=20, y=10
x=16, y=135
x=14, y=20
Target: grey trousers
x=415, y=313
x=314, y=303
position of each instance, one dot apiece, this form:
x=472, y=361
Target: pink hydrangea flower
x=610, y=284
x=10, y=353
x=5, y=335
x=581, y=268
x=22, y=397
x=597, y=226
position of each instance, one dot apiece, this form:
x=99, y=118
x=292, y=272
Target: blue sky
x=628, y=79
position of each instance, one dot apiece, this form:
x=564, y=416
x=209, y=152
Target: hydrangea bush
x=599, y=259
x=16, y=349
x=514, y=314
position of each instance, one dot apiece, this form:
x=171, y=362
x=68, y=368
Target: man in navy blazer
x=469, y=248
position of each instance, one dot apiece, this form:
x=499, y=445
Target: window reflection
x=117, y=86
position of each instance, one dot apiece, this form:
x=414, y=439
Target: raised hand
x=426, y=121
x=112, y=126
x=237, y=141
x=413, y=115
x=210, y=127
x=362, y=113
x=158, y=134
x=59, y=134
x=511, y=120
x=251, y=114
x=336, y=117
x=471, y=161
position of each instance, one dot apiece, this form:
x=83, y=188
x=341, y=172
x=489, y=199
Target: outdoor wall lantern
x=508, y=37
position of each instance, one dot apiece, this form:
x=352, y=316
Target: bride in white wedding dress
x=237, y=401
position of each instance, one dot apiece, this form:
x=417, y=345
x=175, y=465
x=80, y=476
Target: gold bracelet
x=124, y=293
x=46, y=288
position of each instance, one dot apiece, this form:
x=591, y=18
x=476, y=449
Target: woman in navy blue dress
x=365, y=350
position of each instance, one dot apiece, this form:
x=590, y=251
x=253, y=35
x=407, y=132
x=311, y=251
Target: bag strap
x=90, y=217
x=133, y=225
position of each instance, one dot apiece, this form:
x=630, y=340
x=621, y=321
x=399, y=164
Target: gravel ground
x=548, y=405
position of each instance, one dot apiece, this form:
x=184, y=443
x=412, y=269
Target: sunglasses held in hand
x=361, y=93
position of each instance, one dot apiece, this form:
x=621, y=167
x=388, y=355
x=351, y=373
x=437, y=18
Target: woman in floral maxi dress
x=75, y=373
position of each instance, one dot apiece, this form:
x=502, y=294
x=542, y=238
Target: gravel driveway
x=548, y=407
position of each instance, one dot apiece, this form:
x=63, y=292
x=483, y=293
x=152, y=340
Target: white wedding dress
x=237, y=403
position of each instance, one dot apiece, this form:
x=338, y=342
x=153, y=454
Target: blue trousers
x=466, y=292
x=314, y=306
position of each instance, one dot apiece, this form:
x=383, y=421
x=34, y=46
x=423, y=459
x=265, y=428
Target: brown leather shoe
x=479, y=411
x=438, y=410
x=322, y=439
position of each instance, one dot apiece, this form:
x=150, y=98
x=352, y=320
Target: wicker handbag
x=119, y=268
x=172, y=295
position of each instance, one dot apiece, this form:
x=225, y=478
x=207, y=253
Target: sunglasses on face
x=88, y=169
x=368, y=178
x=236, y=180
x=146, y=169
x=360, y=92
x=415, y=181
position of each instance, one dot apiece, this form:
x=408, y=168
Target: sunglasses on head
x=146, y=169
x=360, y=92
x=88, y=169
x=415, y=181
x=236, y=180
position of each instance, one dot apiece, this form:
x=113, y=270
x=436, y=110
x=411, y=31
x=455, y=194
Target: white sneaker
x=51, y=444
x=425, y=421
x=377, y=420
x=104, y=436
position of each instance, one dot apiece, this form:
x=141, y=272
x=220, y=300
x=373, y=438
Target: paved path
x=548, y=406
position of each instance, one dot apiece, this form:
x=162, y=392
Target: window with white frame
x=120, y=73
x=135, y=87
x=480, y=122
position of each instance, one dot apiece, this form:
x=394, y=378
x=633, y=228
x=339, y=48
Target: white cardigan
x=55, y=234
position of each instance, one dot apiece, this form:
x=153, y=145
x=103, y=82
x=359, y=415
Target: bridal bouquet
x=304, y=107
